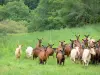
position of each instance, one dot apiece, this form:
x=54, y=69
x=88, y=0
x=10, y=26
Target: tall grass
x=10, y=66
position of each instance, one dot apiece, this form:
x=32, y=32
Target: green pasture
x=10, y=66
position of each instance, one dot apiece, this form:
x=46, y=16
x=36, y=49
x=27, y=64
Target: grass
x=10, y=66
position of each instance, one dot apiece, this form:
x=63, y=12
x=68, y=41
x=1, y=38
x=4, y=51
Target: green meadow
x=23, y=66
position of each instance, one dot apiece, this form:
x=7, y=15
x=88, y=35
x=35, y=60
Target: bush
x=10, y=26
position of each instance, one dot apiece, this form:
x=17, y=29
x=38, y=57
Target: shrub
x=10, y=26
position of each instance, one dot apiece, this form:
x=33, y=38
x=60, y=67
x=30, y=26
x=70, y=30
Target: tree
x=2, y=2
x=93, y=9
x=3, y=13
x=17, y=10
x=32, y=4
x=38, y=17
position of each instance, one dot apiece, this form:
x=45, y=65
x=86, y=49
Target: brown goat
x=77, y=41
x=60, y=57
x=98, y=50
x=72, y=44
x=50, y=51
x=96, y=58
x=38, y=48
x=67, y=49
x=43, y=56
x=60, y=47
x=39, y=43
x=36, y=52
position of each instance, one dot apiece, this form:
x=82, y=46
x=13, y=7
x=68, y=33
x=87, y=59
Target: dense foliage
x=50, y=14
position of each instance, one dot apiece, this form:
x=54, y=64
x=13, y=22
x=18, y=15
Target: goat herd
x=84, y=52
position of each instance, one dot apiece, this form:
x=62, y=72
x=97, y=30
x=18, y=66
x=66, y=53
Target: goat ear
x=88, y=35
x=52, y=44
x=75, y=40
x=93, y=42
x=65, y=44
x=83, y=39
x=97, y=41
x=70, y=40
x=48, y=44
x=43, y=45
x=17, y=45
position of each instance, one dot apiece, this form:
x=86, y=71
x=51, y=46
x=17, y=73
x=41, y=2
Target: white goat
x=29, y=52
x=74, y=54
x=18, y=51
x=87, y=55
x=91, y=42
